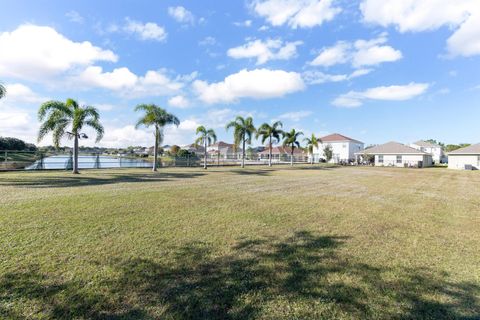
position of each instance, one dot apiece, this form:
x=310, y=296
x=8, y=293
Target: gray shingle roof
x=473, y=149
x=391, y=148
x=426, y=144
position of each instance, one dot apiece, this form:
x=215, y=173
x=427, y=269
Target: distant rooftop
x=473, y=149
x=391, y=148
x=336, y=137
x=426, y=144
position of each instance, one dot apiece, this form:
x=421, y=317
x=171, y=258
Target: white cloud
x=462, y=16
x=296, y=115
x=208, y=41
x=337, y=54
x=318, y=77
x=182, y=15
x=373, y=52
x=257, y=84
x=129, y=85
x=360, y=53
x=145, y=31
x=296, y=13
x=179, y=101
x=74, y=16
x=264, y=51
x=18, y=92
x=246, y=23
x=36, y=52
x=386, y=93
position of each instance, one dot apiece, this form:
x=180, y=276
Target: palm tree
x=311, y=143
x=243, y=129
x=207, y=137
x=159, y=118
x=272, y=133
x=290, y=139
x=3, y=91
x=57, y=116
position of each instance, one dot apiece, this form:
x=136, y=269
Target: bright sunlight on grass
x=307, y=242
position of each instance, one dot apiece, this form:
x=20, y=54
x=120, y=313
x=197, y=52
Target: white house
x=343, y=148
x=435, y=150
x=467, y=158
x=394, y=154
x=224, y=150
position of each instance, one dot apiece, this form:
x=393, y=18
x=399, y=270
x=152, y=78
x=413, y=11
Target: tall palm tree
x=159, y=118
x=3, y=91
x=312, y=142
x=207, y=137
x=243, y=129
x=290, y=139
x=272, y=133
x=57, y=116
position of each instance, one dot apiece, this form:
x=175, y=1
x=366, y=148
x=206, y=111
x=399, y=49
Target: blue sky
x=375, y=70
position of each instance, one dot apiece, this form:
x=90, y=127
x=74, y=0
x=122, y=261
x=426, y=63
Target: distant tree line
x=14, y=144
x=448, y=147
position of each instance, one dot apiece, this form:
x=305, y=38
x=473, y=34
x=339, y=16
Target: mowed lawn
x=304, y=243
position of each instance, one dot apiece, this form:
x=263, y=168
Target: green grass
x=302, y=243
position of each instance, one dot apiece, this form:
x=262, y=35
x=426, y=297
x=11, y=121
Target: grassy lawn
x=308, y=242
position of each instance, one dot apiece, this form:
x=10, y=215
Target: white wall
x=390, y=160
x=437, y=152
x=459, y=161
x=342, y=151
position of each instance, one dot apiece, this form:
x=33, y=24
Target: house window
x=380, y=159
x=399, y=159
x=344, y=145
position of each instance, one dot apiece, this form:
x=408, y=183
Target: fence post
x=6, y=156
x=188, y=160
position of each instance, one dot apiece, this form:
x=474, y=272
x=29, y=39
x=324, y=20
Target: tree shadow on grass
x=303, y=276
x=66, y=181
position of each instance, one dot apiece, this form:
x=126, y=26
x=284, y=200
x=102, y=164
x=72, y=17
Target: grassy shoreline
x=307, y=242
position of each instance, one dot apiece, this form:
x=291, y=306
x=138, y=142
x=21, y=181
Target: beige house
x=467, y=158
x=395, y=154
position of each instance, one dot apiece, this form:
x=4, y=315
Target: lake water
x=88, y=162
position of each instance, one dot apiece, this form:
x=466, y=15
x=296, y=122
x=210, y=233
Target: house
x=343, y=148
x=193, y=148
x=435, y=150
x=281, y=153
x=395, y=154
x=467, y=158
x=224, y=150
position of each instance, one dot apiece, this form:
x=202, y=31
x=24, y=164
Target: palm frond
x=3, y=91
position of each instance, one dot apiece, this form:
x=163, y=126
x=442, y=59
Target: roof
x=222, y=144
x=392, y=148
x=426, y=144
x=282, y=150
x=336, y=137
x=473, y=149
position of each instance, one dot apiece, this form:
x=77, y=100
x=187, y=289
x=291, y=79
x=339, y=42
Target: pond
x=88, y=162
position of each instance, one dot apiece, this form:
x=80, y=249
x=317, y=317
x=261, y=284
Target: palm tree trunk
x=291, y=157
x=205, y=155
x=270, y=153
x=311, y=154
x=243, y=154
x=75, y=154
x=155, y=151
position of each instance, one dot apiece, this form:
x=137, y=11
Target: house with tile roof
x=435, y=150
x=343, y=148
x=467, y=158
x=224, y=150
x=395, y=154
